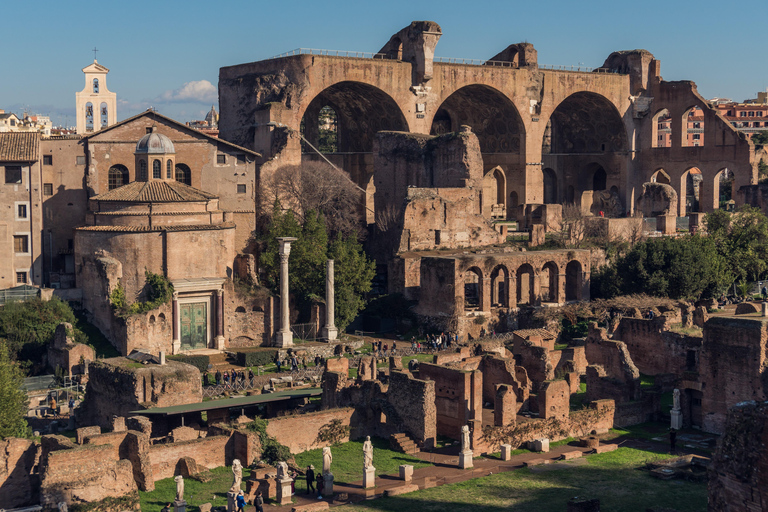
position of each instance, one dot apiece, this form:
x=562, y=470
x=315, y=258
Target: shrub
x=256, y=357
x=158, y=291
x=199, y=361
x=271, y=450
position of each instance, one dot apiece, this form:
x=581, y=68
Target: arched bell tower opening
x=96, y=106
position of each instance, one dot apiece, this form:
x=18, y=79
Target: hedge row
x=199, y=361
x=256, y=358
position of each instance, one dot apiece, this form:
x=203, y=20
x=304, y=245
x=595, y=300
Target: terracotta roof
x=139, y=229
x=527, y=333
x=19, y=146
x=155, y=192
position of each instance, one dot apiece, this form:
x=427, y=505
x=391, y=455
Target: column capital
x=175, y=295
x=220, y=292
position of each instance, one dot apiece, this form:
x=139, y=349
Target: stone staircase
x=402, y=443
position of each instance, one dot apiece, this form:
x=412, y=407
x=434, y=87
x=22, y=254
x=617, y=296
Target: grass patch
x=96, y=339
x=647, y=381
x=561, y=346
x=642, y=431
x=579, y=399
x=196, y=493
x=688, y=331
x=347, y=464
x=611, y=477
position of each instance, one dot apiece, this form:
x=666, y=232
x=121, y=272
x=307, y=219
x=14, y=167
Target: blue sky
x=161, y=52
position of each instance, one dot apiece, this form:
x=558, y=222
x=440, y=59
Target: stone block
x=403, y=489
x=369, y=478
x=283, y=492
x=575, y=454
x=535, y=462
x=605, y=448
x=506, y=452
x=465, y=460
x=311, y=507
x=186, y=467
x=328, y=484
x=406, y=472
x=205, y=507
x=590, y=442
x=667, y=224
x=541, y=445
x=180, y=506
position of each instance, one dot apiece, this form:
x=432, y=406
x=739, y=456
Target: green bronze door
x=194, y=325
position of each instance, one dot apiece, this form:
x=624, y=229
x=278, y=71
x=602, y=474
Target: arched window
x=104, y=115
x=599, y=179
x=143, y=170
x=118, y=176
x=168, y=169
x=157, y=171
x=89, y=117
x=183, y=174
x=95, y=86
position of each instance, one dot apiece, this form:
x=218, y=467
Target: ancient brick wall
x=639, y=411
x=299, y=432
x=732, y=364
x=738, y=475
x=412, y=403
x=246, y=318
x=19, y=484
x=654, y=349
x=497, y=371
x=458, y=397
x=537, y=364
x=209, y=452
x=554, y=399
x=616, y=363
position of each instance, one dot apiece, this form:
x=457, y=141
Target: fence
x=19, y=293
x=304, y=332
x=259, y=381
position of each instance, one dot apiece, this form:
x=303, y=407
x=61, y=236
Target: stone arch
x=525, y=284
x=661, y=176
x=183, y=174
x=104, y=112
x=548, y=278
x=493, y=118
x=722, y=189
x=152, y=319
x=550, y=186
x=89, y=117
x=95, y=86
x=692, y=127
x=495, y=186
x=161, y=317
x=500, y=286
x=118, y=176
x=573, y=280
x=691, y=188
x=661, y=133
x=239, y=309
x=473, y=288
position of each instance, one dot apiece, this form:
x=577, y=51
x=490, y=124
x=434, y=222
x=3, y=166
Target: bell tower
x=96, y=105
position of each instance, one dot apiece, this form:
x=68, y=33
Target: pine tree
x=13, y=399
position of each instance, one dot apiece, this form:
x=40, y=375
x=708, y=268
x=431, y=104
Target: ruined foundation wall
x=413, y=401
x=299, y=432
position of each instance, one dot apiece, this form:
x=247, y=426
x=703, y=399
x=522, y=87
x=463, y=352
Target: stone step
x=402, y=443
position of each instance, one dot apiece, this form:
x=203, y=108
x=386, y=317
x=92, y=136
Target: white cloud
x=201, y=91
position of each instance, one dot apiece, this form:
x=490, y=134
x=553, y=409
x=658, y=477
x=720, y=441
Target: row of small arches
x=119, y=174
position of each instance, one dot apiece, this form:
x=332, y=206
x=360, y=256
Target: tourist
x=310, y=478
x=258, y=501
x=71, y=405
x=293, y=482
x=278, y=362
x=54, y=407
x=205, y=378
x=294, y=363
x=319, y=486
x=394, y=348
x=672, y=440
x=166, y=508
x=226, y=379
x=765, y=293
x=386, y=348
x=240, y=502
x=250, y=376
x=218, y=377
x=317, y=360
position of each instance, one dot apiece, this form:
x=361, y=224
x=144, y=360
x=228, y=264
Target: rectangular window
x=47, y=189
x=241, y=189
x=20, y=243
x=221, y=158
x=696, y=136
x=13, y=174
x=47, y=159
x=661, y=137
x=241, y=158
x=751, y=113
x=742, y=114
x=21, y=278
x=80, y=160
x=21, y=211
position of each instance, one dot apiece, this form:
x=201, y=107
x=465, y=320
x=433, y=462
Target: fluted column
x=220, y=319
x=330, y=307
x=284, y=338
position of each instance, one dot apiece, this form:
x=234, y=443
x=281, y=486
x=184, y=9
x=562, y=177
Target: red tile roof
x=19, y=146
x=155, y=192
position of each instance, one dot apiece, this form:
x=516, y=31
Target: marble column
x=330, y=330
x=284, y=338
x=176, y=344
x=219, y=319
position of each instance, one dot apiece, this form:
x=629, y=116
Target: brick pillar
x=536, y=285
x=561, y=286
x=512, y=287
x=485, y=294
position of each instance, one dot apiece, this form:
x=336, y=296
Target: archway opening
x=495, y=186
x=691, y=189
x=548, y=279
x=693, y=127
x=662, y=129
x=183, y=174
x=722, y=190
x=118, y=176
x=661, y=176
x=104, y=115
x=550, y=186
x=499, y=290
x=525, y=288
x=473, y=279
x=573, y=280
x=89, y=117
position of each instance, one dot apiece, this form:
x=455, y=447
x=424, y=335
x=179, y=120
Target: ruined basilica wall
x=413, y=402
x=213, y=254
x=299, y=432
x=458, y=397
x=246, y=319
x=209, y=452
x=653, y=348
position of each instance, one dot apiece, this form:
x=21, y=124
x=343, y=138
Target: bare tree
x=323, y=188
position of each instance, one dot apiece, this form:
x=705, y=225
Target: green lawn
x=347, y=464
x=579, y=398
x=612, y=477
x=196, y=493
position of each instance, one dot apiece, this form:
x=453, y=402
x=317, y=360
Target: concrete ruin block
x=541, y=445
x=183, y=434
x=395, y=363
x=140, y=424
x=118, y=424
x=575, y=454
x=506, y=452
x=337, y=364
x=605, y=448
x=84, y=432
x=667, y=224
x=406, y=472
x=554, y=399
x=505, y=406
x=403, y=489
x=187, y=467
x=537, y=235
x=574, y=382
x=700, y=316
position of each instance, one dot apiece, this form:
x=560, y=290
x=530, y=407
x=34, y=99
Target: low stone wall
x=640, y=411
x=18, y=482
x=210, y=452
x=299, y=432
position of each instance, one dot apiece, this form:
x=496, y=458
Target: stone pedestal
x=369, y=478
x=406, y=472
x=231, y=503
x=283, y=491
x=465, y=460
x=506, y=452
x=667, y=224
x=677, y=419
x=220, y=343
x=284, y=339
x=541, y=445
x=175, y=347
x=181, y=506
x=328, y=485
x=765, y=308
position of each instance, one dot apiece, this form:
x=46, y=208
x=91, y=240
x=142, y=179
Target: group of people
x=228, y=378
x=53, y=406
x=295, y=362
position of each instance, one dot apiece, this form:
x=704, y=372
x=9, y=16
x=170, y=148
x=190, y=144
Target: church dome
x=154, y=143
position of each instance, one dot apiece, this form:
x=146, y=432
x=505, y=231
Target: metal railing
x=21, y=293
x=259, y=381
x=332, y=53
